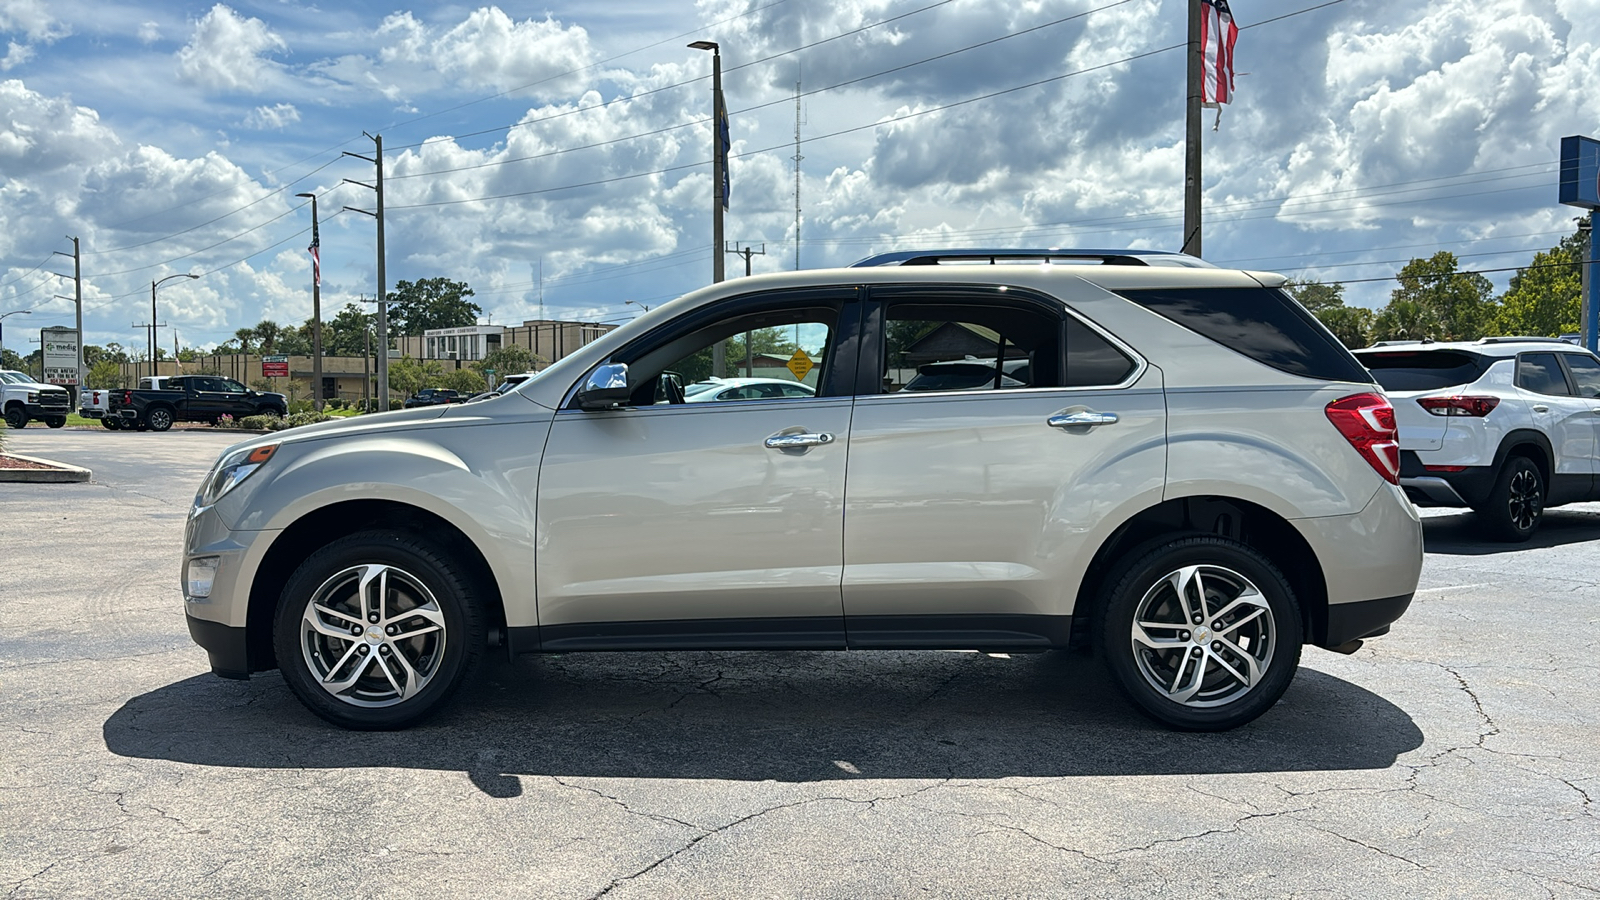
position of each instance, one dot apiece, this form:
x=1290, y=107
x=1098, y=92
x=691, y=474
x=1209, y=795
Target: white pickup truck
x=24, y=399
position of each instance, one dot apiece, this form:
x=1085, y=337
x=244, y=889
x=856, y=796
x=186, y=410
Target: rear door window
x=1541, y=373
x=1585, y=372
x=1262, y=323
x=1424, y=370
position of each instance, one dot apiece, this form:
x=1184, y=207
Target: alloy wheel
x=373, y=635
x=1203, y=636
x=1525, y=499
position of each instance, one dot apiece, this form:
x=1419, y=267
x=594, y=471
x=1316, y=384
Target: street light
x=636, y=303
x=719, y=194
x=316, y=305
x=16, y=312
x=153, y=286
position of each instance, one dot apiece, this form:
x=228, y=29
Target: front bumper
x=224, y=645
x=218, y=621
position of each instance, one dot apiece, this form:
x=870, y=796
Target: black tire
x=271, y=411
x=111, y=424
x=1516, y=504
x=16, y=417
x=420, y=573
x=1263, y=626
x=159, y=418
x=56, y=421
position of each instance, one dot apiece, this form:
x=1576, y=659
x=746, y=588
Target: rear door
x=1567, y=419
x=969, y=511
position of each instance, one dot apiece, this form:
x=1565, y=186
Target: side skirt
x=994, y=633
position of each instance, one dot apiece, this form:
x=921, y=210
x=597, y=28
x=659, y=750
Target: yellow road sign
x=800, y=364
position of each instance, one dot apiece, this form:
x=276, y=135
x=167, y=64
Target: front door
x=677, y=521
x=1004, y=433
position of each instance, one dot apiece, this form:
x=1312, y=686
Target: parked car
x=190, y=398
x=746, y=389
x=1504, y=426
x=503, y=387
x=95, y=403
x=434, y=397
x=969, y=374
x=23, y=399
x=1197, y=479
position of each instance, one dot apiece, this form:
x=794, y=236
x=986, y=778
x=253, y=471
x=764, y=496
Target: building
x=548, y=340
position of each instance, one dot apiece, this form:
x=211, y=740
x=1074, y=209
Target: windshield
x=13, y=378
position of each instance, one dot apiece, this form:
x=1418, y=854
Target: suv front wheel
x=1201, y=633
x=376, y=630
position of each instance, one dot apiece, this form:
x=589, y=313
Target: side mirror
x=606, y=388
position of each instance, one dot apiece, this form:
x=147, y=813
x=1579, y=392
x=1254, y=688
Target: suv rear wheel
x=1516, y=505
x=377, y=630
x=1201, y=633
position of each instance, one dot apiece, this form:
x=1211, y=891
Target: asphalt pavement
x=1455, y=757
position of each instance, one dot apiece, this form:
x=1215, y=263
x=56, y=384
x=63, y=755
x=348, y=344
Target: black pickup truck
x=190, y=398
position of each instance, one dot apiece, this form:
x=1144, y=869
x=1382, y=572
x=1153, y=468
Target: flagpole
x=1191, y=153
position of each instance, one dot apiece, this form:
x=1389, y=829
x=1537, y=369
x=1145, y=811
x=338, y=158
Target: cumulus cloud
x=31, y=18
x=149, y=32
x=225, y=53
x=16, y=55
x=272, y=118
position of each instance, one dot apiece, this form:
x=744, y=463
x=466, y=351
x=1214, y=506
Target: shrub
x=300, y=406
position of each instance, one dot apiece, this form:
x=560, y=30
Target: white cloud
x=16, y=55
x=150, y=32
x=33, y=19
x=272, y=118
x=225, y=52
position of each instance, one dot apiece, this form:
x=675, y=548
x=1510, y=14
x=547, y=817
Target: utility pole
x=316, y=306
x=797, y=157
x=719, y=177
x=747, y=251
x=1191, y=151
x=77, y=294
x=383, y=287
x=1591, y=312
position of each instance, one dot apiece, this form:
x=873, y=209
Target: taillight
x=1367, y=422
x=127, y=398
x=1477, y=407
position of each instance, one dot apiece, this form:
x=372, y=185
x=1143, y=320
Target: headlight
x=230, y=470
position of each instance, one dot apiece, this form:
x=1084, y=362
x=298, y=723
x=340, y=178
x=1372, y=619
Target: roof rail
x=1047, y=255
x=1515, y=339
x=1399, y=343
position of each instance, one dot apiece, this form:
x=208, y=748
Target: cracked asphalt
x=1454, y=757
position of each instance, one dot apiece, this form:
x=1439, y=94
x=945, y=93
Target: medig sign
x=60, y=355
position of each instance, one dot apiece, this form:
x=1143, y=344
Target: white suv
x=1505, y=426
x=1190, y=474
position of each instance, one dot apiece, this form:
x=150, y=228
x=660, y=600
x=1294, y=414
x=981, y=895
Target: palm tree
x=267, y=333
x=246, y=338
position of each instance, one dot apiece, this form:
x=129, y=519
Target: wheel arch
x=1243, y=521
x=1532, y=444
x=328, y=523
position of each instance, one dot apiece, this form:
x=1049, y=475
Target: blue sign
x=1580, y=172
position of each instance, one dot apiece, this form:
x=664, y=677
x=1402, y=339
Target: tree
x=1352, y=325
x=1456, y=305
x=246, y=339
x=1545, y=298
x=346, y=333
x=10, y=359
x=1405, y=320
x=408, y=375
x=1316, y=296
x=267, y=334
x=431, y=303
x=507, y=359
x=106, y=373
x=466, y=381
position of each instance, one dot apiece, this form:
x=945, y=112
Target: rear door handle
x=1541, y=408
x=1082, y=417
x=798, y=441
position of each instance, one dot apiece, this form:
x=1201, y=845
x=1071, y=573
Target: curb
x=61, y=474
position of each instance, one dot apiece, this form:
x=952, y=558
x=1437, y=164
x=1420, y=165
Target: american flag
x=724, y=144
x=316, y=256
x=1217, y=34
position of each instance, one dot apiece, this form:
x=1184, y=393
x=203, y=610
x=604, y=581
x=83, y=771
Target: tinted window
x=932, y=344
x=1586, y=372
x=1092, y=360
x=1264, y=324
x=1424, y=370
x=1541, y=373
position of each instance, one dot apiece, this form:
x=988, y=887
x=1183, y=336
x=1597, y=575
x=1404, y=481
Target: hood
x=362, y=424
x=30, y=384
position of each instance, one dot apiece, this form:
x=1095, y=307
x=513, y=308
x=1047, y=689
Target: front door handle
x=798, y=441
x=1081, y=417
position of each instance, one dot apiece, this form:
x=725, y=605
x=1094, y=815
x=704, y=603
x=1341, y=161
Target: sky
x=558, y=157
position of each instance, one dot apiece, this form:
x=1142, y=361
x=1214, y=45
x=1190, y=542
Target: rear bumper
x=1469, y=487
x=1353, y=621
x=224, y=645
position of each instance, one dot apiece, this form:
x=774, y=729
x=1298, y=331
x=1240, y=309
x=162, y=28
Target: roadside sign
x=275, y=366
x=488, y=371
x=60, y=355
x=800, y=364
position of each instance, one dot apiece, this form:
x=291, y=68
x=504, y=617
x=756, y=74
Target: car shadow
x=1460, y=534
x=790, y=717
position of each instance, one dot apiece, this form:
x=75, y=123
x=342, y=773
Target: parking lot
x=1455, y=757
